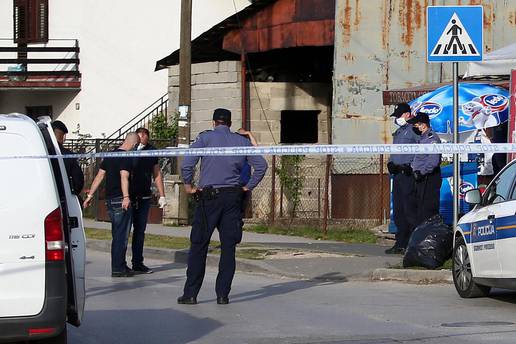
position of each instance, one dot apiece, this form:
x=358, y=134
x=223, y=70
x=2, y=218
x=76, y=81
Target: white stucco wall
x=120, y=43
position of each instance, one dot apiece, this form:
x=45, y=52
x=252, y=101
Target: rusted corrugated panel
x=313, y=33
x=309, y=10
x=285, y=24
x=381, y=46
x=283, y=12
x=357, y=196
x=316, y=33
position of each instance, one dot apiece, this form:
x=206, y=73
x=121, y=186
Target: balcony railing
x=51, y=65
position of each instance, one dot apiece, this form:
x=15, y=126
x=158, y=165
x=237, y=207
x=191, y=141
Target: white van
x=42, y=243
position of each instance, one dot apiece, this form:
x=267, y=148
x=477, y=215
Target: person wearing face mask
x=403, y=191
x=145, y=169
x=427, y=170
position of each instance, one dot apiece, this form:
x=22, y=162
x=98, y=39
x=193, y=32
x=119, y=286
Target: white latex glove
x=162, y=202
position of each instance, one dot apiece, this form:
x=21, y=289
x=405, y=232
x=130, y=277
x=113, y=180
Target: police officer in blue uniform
x=219, y=204
x=403, y=187
x=427, y=171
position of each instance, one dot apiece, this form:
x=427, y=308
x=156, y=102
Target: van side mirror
x=473, y=196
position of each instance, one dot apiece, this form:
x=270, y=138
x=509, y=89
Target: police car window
x=500, y=190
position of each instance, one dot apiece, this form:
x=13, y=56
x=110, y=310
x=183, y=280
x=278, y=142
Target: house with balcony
x=89, y=63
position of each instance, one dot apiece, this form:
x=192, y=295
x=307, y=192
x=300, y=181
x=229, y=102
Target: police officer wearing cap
x=74, y=171
x=427, y=170
x=403, y=189
x=219, y=198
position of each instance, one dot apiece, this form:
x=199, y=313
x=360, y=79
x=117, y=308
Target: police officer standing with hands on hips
x=403, y=188
x=219, y=198
x=427, y=170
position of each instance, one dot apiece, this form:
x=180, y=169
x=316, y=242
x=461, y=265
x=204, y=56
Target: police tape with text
x=345, y=149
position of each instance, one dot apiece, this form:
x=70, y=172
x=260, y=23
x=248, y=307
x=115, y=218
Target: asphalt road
x=279, y=310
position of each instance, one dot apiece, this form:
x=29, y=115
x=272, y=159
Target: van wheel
x=462, y=274
x=62, y=338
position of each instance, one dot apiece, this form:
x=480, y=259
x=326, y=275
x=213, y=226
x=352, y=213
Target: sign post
x=455, y=34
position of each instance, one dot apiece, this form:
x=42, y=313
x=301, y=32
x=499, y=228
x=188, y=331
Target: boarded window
x=30, y=21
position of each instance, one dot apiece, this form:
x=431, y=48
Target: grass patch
x=247, y=253
x=151, y=240
x=155, y=240
x=447, y=265
x=346, y=235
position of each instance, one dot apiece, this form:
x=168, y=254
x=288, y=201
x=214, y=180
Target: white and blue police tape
x=346, y=149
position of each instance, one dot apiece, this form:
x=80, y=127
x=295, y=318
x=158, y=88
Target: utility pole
x=185, y=97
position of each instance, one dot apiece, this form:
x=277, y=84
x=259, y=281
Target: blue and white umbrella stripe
x=480, y=106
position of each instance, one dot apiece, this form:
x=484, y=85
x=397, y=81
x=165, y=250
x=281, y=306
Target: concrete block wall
x=268, y=99
x=218, y=84
x=214, y=84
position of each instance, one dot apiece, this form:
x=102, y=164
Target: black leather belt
x=210, y=192
x=405, y=169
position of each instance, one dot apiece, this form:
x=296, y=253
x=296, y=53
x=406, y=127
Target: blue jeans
x=141, y=208
x=120, y=227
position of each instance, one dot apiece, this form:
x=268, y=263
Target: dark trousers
x=141, y=208
x=404, y=207
x=120, y=227
x=428, y=193
x=224, y=212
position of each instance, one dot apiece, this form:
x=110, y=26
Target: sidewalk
x=315, y=260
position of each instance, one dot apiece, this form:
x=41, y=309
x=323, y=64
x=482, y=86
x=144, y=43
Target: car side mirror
x=473, y=196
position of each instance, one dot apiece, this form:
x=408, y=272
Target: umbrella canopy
x=480, y=106
x=497, y=62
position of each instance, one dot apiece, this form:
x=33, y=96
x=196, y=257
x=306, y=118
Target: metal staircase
x=143, y=119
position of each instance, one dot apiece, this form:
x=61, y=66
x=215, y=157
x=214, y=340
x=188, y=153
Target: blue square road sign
x=455, y=33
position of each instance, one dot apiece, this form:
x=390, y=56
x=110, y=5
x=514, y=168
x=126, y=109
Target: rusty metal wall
x=381, y=45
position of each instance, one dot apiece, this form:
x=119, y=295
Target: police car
x=484, y=254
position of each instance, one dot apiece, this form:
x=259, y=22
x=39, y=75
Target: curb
x=181, y=257
x=261, y=267
x=413, y=276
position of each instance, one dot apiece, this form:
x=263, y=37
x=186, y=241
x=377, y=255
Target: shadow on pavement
x=280, y=289
x=136, y=282
x=504, y=295
x=141, y=326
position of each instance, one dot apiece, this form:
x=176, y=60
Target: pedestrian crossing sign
x=455, y=33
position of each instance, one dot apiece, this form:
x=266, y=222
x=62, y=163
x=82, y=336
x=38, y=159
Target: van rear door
x=73, y=230
x=27, y=197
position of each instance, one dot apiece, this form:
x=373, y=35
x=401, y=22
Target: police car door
x=486, y=241
x=502, y=196
x=74, y=236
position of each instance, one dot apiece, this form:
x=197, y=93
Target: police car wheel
x=462, y=274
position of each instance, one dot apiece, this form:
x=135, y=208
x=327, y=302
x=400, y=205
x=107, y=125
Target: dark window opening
x=37, y=111
x=306, y=64
x=299, y=126
x=30, y=21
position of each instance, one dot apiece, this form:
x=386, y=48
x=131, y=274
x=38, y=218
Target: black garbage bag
x=430, y=244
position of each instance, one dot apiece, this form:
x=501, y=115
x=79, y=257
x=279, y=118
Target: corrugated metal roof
x=208, y=46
